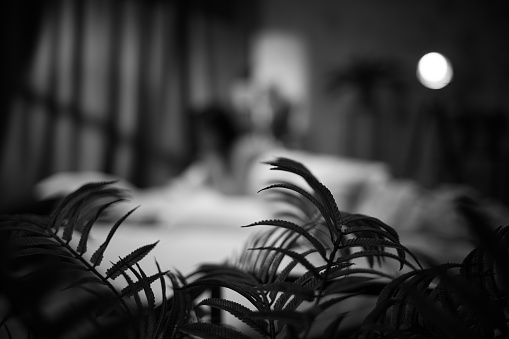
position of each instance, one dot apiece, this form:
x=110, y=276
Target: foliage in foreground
x=301, y=270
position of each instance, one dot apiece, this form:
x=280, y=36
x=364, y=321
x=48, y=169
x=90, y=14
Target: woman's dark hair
x=217, y=120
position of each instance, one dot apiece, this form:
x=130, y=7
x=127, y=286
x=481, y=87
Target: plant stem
x=93, y=270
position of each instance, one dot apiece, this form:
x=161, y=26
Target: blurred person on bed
x=226, y=148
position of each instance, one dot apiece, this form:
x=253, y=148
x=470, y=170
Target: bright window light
x=434, y=70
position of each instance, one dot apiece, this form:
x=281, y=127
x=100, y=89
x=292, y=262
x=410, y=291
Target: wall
x=335, y=33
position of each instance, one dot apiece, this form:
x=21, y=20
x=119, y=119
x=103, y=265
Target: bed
x=204, y=226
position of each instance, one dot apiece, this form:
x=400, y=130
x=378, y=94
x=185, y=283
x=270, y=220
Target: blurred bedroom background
x=108, y=85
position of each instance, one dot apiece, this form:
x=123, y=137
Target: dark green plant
x=301, y=271
x=467, y=300
x=41, y=265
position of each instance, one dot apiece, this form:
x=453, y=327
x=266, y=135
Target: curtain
x=109, y=87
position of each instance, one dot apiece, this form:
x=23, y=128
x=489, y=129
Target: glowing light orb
x=434, y=70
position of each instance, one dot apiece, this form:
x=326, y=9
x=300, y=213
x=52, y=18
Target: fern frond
x=296, y=201
x=207, y=330
x=149, y=294
x=299, y=320
x=295, y=228
x=140, y=284
x=70, y=224
x=307, y=279
x=239, y=311
x=132, y=258
x=367, y=221
x=380, y=244
x=136, y=296
x=374, y=253
x=326, y=196
x=82, y=245
x=227, y=273
x=294, y=255
x=395, y=292
x=354, y=284
x=369, y=232
x=162, y=321
x=444, y=323
x=404, y=309
x=489, y=314
x=285, y=273
x=177, y=311
x=70, y=201
x=289, y=288
x=99, y=253
x=321, y=207
x=247, y=291
x=265, y=264
x=271, y=264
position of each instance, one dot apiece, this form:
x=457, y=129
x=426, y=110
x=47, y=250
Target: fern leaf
x=298, y=319
x=369, y=221
x=354, y=284
x=345, y=270
x=295, y=302
x=307, y=210
x=162, y=320
x=226, y=272
x=177, y=311
x=70, y=225
x=82, y=245
x=374, y=253
x=295, y=228
x=478, y=269
x=70, y=200
x=140, y=284
x=271, y=264
x=475, y=304
x=404, y=309
x=312, y=199
x=292, y=254
x=132, y=258
x=290, y=288
x=366, y=230
x=99, y=253
x=149, y=293
x=378, y=243
x=207, y=330
x=283, y=275
x=247, y=291
x=332, y=210
x=447, y=325
x=136, y=295
x=387, y=299
x=239, y=311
